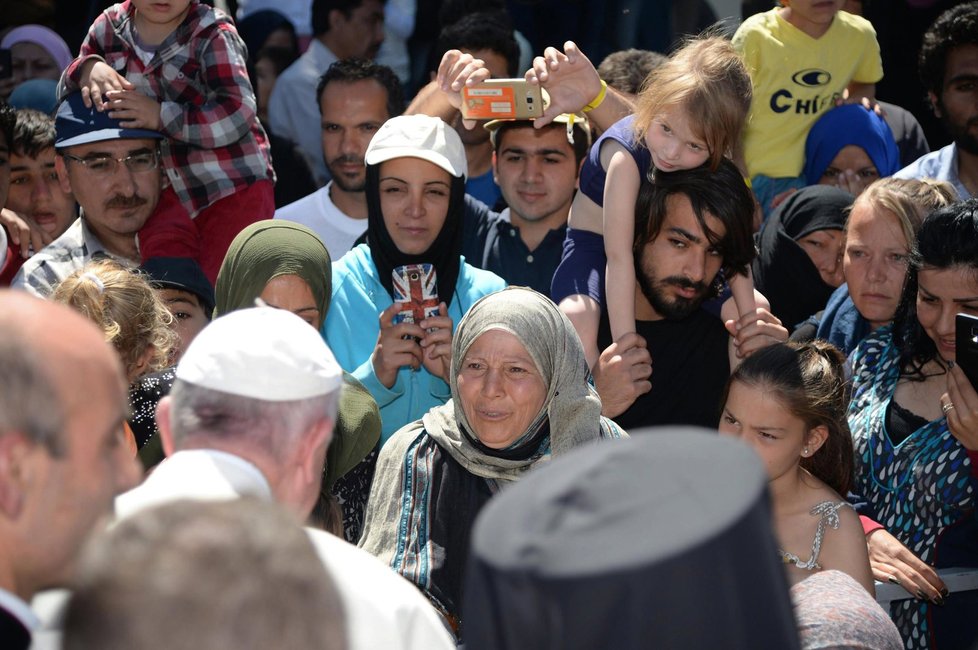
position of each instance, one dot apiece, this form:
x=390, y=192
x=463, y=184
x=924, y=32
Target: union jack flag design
x=416, y=289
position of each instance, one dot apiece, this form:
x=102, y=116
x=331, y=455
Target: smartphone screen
x=416, y=290
x=966, y=346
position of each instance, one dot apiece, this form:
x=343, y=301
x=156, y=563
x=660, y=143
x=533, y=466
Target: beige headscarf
x=572, y=406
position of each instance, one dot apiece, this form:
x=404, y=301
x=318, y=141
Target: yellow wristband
x=597, y=100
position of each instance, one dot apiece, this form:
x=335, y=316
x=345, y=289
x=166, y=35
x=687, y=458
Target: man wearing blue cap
x=115, y=175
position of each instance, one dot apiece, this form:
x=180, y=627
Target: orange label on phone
x=489, y=103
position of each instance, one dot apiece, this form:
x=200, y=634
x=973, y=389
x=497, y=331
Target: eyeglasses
x=142, y=161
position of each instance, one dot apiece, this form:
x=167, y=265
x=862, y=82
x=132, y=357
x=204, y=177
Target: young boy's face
x=162, y=13
x=188, y=316
x=36, y=194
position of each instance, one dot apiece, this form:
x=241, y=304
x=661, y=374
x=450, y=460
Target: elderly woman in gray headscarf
x=520, y=393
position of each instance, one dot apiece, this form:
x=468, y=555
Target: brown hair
x=707, y=78
x=809, y=380
x=124, y=305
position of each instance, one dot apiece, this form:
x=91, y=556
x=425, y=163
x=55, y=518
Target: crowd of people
x=294, y=355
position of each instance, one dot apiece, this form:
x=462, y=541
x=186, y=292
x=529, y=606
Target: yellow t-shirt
x=796, y=78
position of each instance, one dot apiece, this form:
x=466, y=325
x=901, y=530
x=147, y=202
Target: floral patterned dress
x=919, y=489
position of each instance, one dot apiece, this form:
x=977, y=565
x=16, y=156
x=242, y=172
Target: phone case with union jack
x=416, y=290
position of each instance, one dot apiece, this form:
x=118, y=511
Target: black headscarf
x=258, y=26
x=445, y=253
x=783, y=272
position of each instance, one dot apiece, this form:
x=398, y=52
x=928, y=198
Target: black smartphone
x=6, y=64
x=966, y=346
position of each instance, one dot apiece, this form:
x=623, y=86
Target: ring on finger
x=947, y=407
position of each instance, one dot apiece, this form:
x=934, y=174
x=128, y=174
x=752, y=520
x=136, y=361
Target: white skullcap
x=261, y=353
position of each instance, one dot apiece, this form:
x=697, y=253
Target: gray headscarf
x=572, y=406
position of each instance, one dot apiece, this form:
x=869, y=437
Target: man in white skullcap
x=251, y=413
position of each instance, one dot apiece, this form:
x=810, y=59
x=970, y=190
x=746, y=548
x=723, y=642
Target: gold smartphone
x=496, y=99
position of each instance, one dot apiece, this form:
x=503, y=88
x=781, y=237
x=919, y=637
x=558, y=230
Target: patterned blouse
x=919, y=488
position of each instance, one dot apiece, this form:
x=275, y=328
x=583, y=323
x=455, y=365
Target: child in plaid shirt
x=178, y=67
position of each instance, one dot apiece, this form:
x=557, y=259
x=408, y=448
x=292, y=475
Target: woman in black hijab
x=415, y=188
x=799, y=262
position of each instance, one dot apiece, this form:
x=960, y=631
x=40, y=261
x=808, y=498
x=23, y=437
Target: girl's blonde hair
x=707, y=78
x=127, y=309
x=910, y=200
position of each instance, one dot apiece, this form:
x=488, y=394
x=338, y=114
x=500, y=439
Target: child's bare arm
x=584, y=313
x=745, y=300
x=621, y=191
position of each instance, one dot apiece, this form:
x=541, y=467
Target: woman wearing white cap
x=415, y=187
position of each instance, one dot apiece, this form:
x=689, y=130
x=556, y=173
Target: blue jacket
x=353, y=325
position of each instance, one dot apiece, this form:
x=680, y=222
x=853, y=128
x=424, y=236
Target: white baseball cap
x=261, y=353
x=418, y=136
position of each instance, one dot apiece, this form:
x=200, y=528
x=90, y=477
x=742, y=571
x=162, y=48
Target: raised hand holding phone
x=960, y=402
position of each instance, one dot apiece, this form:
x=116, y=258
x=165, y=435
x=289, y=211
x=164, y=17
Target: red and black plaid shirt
x=214, y=142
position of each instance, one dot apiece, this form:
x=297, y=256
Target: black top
x=660, y=541
x=689, y=369
x=490, y=242
x=13, y=634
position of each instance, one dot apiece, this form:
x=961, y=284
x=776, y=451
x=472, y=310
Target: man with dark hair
x=63, y=455
x=36, y=198
x=536, y=170
x=948, y=64
x=626, y=70
x=355, y=98
x=116, y=175
x=489, y=37
x=342, y=29
x=690, y=225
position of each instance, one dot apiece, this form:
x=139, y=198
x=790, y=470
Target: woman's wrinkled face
x=824, y=247
x=941, y=295
x=414, y=196
x=292, y=293
x=500, y=388
x=875, y=262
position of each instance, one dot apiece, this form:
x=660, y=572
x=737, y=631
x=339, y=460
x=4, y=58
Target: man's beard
x=961, y=134
x=358, y=184
x=680, y=307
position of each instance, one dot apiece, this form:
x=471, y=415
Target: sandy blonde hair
x=707, y=78
x=909, y=200
x=127, y=309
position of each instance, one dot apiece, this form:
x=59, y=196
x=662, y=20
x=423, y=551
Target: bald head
x=63, y=401
x=48, y=352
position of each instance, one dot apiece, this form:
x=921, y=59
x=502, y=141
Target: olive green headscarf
x=266, y=250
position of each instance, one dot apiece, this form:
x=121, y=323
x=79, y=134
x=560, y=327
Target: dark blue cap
x=77, y=124
x=181, y=273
